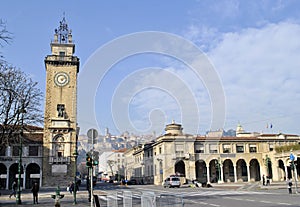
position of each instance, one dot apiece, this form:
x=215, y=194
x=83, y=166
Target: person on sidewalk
x=14, y=189
x=264, y=180
x=35, y=189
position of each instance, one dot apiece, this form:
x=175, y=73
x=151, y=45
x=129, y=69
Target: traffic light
x=95, y=162
x=89, y=161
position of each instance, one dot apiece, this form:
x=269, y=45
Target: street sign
x=292, y=157
x=92, y=135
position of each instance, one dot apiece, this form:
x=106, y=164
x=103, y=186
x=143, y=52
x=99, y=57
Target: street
x=220, y=195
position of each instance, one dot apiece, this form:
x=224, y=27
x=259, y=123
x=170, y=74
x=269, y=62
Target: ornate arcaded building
x=60, y=121
x=213, y=157
x=32, y=160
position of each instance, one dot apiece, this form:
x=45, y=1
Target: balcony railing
x=62, y=58
x=59, y=160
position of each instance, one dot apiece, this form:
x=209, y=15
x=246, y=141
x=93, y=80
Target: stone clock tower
x=60, y=124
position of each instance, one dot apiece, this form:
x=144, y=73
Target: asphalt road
x=146, y=195
x=219, y=196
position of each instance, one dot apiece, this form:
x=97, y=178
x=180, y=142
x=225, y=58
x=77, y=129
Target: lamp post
x=75, y=154
x=18, y=197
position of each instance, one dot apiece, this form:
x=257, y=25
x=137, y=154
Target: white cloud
x=260, y=72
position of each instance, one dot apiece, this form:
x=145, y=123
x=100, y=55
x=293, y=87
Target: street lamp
x=75, y=154
x=22, y=111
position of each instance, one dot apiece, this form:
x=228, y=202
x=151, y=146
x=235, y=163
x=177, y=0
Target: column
x=248, y=172
x=222, y=176
x=208, y=172
x=234, y=172
x=24, y=176
x=286, y=172
x=41, y=177
x=192, y=170
x=7, y=178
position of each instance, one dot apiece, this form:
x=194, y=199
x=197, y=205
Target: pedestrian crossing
x=118, y=195
x=221, y=193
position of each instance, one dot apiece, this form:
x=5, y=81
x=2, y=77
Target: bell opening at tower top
x=63, y=34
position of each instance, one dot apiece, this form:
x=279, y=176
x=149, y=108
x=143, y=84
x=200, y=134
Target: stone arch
x=180, y=168
x=214, y=171
x=241, y=170
x=13, y=174
x=228, y=171
x=3, y=171
x=268, y=164
x=33, y=171
x=254, y=168
x=201, y=171
x=281, y=171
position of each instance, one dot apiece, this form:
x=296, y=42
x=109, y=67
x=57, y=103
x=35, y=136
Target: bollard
x=57, y=197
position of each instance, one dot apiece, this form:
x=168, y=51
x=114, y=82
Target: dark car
x=132, y=182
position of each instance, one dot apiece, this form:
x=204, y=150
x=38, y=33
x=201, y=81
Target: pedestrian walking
x=14, y=189
x=264, y=180
x=35, y=189
x=71, y=187
x=289, y=185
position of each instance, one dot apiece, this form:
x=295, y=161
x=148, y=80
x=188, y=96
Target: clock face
x=61, y=79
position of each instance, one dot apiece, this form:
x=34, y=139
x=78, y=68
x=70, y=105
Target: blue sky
x=253, y=47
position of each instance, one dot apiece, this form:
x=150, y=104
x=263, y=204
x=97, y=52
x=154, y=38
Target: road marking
x=213, y=204
x=265, y=201
x=286, y=204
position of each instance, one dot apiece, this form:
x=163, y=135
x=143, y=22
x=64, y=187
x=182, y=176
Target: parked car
x=132, y=182
x=171, y=182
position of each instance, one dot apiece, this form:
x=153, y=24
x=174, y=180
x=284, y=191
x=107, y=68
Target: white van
x=171, y=182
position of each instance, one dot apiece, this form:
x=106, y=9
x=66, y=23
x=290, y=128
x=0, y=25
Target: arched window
x=59, y=145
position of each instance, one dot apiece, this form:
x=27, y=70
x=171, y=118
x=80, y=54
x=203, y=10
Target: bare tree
x=20, y=102
x=5, y=36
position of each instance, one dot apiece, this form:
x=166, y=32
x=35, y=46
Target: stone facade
x=213, y=157
x=32, y=160
x=60, y=124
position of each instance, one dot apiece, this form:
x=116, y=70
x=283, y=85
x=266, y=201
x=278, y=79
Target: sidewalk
x=45, y=198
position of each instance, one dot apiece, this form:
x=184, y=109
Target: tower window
x=59, y=154
x=62, y=54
